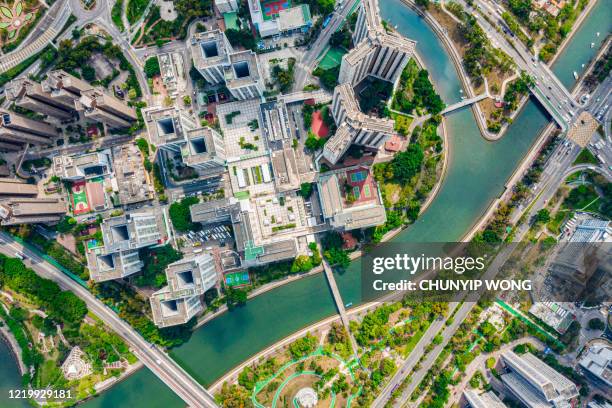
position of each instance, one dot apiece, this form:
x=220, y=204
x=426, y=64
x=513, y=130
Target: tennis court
x=358, y=176
x=237, y=278
x=80, y=204
x=332, y=58
x=271, y=9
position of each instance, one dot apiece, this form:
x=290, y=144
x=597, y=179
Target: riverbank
x=457, y=62
x=529, y=159
x=7, y=337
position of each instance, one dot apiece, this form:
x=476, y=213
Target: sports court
x=80, y=204
x=318, y=126
x=271, y=9
x=237, y=279
x=362, y=184
x=332, y=58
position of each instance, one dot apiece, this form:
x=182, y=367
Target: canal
x=476, y=175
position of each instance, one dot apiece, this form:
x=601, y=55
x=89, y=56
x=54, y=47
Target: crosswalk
x=13, y=59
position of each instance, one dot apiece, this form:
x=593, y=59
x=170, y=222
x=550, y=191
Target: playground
x=237, y=279
x=283, y=385
x=80, y=204
x=271, y=9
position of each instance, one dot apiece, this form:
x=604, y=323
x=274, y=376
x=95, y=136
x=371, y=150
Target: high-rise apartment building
x=354, y=126
x=17, y=130
x=378, y=51
x=97, y=105
x=179, y=301
x=31, y=95
x=216, y=60
x=117, y=255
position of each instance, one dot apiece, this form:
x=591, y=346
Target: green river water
x=476, y=175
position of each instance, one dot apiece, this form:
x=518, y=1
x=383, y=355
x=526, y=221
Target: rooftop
x=133, y=182
x=242, y=70
x=350, y=198
x=598, y=361
x=210, y=48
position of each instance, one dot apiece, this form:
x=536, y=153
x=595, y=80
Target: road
x=308, y=62
x=551, y=93
x=412, y=359
x=155, y=359
x=47, y=29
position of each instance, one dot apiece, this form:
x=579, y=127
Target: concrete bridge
x=464, y=103
x=329, y=274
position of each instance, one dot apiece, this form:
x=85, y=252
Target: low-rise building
x=484, y=400
x=226, y=6
x=132, y=182
x=597, y=362
x=285, y=21
x=553, y=314
x=536, y=384
x=82, y=167
x=350, y=198
x=117, y=256
x=179, y=301
x=26, y=210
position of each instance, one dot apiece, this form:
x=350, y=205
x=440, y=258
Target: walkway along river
x=476, y=175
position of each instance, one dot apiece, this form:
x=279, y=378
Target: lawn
x=135, y=8
x=585, y=157
x=402, y=123
x=580, y=197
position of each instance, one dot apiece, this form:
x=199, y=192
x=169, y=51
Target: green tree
x=543, y=216
x=306, y=189
x=408, y=163
x=596, y=324
x=151, y=67
x=181, y=216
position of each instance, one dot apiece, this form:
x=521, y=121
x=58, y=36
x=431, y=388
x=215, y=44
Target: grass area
x=580, y=197
x=402, y=123
x=332, y=58
x=585, y=157
x=135, y=9
x=116, y=13
x=554, y=225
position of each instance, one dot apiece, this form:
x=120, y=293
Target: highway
x=308, y=62
x=555, y=97
x=193, y=393
x=413, y=358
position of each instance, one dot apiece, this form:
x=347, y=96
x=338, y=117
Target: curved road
x=192, y=392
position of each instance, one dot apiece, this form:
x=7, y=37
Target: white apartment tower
x=179, y=301
x=354, y=126
x=378, y=51
x=214, y=57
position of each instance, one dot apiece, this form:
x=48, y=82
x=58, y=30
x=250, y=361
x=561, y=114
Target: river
x=476, y=175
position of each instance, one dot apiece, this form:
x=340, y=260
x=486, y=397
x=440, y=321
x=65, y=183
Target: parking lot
x=219, y=235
